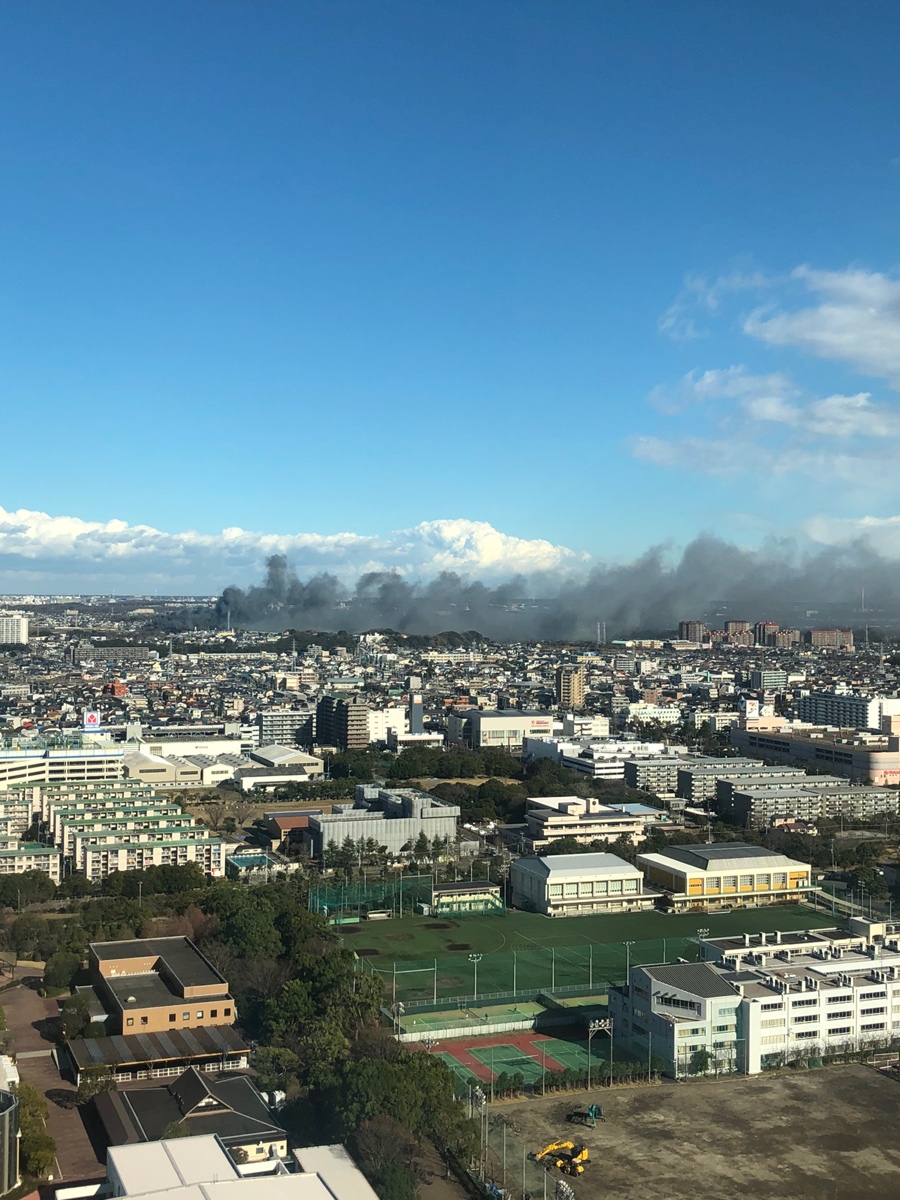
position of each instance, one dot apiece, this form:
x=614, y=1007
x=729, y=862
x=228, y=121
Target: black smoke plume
x=712, y=581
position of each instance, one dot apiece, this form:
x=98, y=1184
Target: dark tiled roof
x=148, y=1048
x=698, y=978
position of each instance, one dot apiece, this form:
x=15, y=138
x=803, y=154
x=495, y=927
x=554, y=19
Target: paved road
x=31, y=1019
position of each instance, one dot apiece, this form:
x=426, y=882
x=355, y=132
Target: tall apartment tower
x=416, y=723
x=691, y=631
x=570, y=687
x=343, y=722
x=764, y=633
x=737, y=626
x=13, y=630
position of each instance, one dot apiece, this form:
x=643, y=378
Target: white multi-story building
x=15, y=858
x=566, y=885
x=550, y=818
x=505, y=729
x=759, y=1001
x=846, y=710
x=25, y=765
x=13, y=630
x=382, y=720
x=97, y=860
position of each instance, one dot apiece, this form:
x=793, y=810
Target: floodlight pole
x=628, y=946
x=701, y=934
x=475, y=959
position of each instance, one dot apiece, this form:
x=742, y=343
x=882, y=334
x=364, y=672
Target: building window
x=185, y=1016
x=844, y=1015
x=774, y=1005
x=807, y=1003
x=227, y=1012
x=730, y=881
x=871, y=1012
x=129, y=1020
x=779, y=879
x=747, y=881
x=843, y=1029
x=806, y=1019
x=839, y=999
x=872, y=995
x=772, y=1023
x=713, y=882
x=764, y=881
x=876, y=1025
x=145, y=1020
x=724, y=1028
x=772, y=1039
x=199, y=1016
x=806, y=1033
x=213, y=1012
x=172, y=1016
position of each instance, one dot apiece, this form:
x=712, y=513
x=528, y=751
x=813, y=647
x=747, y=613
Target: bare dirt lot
x=830, y=1134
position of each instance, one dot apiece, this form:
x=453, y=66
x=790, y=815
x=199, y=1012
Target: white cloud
x=63, y=553
x=701, y=298
x=855, y=319
x=881, y=533
x=729, y=383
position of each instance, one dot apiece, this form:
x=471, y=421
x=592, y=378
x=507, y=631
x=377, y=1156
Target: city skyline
x=356, y=283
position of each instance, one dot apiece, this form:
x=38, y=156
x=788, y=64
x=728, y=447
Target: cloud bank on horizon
x=40, y=552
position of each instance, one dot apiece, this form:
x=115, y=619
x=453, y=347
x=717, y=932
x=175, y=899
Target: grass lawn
x=522, y=951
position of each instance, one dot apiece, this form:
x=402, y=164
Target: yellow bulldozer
x=572, y=1162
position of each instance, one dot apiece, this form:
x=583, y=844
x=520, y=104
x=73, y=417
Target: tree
x=61, y=969
x=75, y=1016
x=700, y=1061
x=176, y=1129
x=37, y=1150
x=215, y=813
x=93, y=1081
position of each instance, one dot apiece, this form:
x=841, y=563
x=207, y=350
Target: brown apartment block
x=159, y=985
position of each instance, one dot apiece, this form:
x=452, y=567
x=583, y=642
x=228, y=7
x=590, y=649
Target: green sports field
x=421, y=957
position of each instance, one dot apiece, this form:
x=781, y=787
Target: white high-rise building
x=13, y=630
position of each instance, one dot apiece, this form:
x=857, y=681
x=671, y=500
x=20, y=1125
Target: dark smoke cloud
x=712, y=581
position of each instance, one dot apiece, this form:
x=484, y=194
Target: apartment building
x=570, y=686
x=18, y=857
x=97, y=859
x=697, y=781
x=756, y=807
x=286, y=726
x=846, y=710
x=653, y=773
x=342, y=721
x=568, y=885
x=550, y=818
x=723, y=875
x=13, y=630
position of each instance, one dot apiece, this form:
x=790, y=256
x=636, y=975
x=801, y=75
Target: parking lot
x=830, y=1134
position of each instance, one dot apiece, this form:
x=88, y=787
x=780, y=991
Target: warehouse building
x=568, y=885
x=391, y=817
x=723, y=875
x=870, y=758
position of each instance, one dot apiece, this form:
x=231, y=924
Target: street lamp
x=398, y=1010
x=475, y=959
x=701, y=934
x=604, y=1025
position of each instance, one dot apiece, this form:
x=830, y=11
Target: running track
x=526, y=1042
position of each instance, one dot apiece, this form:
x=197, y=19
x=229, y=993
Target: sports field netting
x=591, y=968
x=464, y=1018
x=521, y=955
x=344, y=901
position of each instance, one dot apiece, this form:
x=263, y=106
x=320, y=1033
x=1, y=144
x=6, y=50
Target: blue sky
x=506, y=278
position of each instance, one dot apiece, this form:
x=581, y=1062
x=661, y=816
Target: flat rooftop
x=181, y=956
